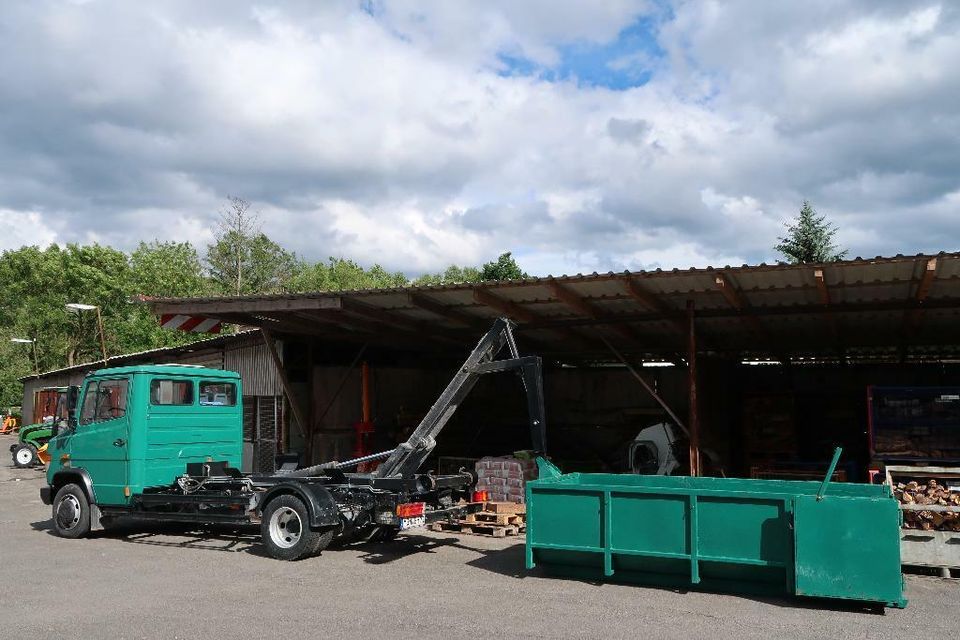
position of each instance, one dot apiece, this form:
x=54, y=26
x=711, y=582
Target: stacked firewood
x=943, y=512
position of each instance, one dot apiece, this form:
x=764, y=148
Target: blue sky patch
x=626, y=62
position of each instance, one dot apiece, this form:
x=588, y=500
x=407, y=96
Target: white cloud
x=19, y=228
x=395, y=137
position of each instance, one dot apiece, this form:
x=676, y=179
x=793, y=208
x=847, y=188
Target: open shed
x=763, y=364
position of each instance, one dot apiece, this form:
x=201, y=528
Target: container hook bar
x=833, y=467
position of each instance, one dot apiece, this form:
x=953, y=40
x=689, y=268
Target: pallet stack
x=494, y=519
x=505, y=479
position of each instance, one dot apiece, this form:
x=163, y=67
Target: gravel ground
x=165, y=582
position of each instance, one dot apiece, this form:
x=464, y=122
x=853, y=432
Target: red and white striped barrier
x=190, y=324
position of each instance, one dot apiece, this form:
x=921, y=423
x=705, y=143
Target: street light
x=33, y=341
x=78, y=307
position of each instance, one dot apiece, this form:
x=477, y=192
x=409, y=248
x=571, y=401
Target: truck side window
x=111, y=400
x=223, y=394
x=171, y=392
x=88, y=411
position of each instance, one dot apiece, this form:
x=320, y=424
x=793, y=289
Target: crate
x=919, y=548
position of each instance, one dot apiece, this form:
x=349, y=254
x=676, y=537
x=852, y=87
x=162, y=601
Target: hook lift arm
x=406, y=459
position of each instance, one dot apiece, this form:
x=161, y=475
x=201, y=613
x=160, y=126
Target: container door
x=100, y=442
x=848, y=548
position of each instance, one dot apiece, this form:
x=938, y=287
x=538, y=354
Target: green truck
x=164, y=442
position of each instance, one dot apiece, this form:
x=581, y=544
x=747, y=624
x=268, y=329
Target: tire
x=71, y=512
x=24, y=456
x=286, y=533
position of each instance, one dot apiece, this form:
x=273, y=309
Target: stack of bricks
x=504, y=479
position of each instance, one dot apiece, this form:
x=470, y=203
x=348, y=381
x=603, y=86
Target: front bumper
x=45, y=496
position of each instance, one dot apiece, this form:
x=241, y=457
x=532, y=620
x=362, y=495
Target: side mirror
x=73, y=394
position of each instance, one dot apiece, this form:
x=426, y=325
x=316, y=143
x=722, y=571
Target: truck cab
x=133, y=428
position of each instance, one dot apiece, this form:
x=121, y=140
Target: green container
x=764, y=537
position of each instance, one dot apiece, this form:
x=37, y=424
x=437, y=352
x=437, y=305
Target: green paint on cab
x=137, y=427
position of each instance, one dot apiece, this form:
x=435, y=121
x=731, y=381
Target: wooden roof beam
x=823, y=292
x=507, y=307
x=654, y=303
x=730, y=293
x=453, y=315
x=396, y=321
x=913, y=318
x=585, y=308
x=515, y=312
x=926, y=280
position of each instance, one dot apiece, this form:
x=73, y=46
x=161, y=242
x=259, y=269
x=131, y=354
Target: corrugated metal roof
x=907, y=303
x=119, y=360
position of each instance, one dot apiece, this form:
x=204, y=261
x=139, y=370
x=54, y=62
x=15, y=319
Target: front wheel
x=24, y=456
x=285, y=530
x=71, y=512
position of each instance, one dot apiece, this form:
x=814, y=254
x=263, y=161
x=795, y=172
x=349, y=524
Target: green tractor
x=28, y=451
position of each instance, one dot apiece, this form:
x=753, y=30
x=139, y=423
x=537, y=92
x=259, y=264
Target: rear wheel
x=285, y=530
x=71, y=512
x=24, y=456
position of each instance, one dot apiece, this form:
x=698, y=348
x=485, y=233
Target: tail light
x=410, y=509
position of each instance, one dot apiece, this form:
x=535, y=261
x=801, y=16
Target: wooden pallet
x=479, y=528
x=503, y=507
x=500, y=519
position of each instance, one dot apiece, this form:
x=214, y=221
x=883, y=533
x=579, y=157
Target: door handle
x=119, y=442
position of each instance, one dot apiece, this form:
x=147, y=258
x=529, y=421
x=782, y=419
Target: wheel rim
x=24, y=456
x=285, y=527
x=68, y=512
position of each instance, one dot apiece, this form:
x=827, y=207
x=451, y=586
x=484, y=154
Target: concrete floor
x=174, y=583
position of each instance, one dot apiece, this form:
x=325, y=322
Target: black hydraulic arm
x=407, y=458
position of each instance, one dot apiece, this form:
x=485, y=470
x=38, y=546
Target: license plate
x=410, y=523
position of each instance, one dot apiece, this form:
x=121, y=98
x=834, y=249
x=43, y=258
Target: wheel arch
x=320, y=504
x=77, y=476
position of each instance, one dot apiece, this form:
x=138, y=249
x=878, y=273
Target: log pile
x=943, y=513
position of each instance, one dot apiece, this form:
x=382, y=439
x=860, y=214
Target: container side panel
x=649, y=523
x=848, y=548
x=744, y=529
x=569, y=518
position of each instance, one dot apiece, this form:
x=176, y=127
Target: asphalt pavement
x=169, y=582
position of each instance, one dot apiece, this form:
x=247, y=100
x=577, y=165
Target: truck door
x=100, y=443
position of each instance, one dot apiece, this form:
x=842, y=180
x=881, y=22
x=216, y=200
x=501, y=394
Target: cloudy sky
x=580, y=135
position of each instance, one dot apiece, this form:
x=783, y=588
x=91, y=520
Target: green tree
x=243, y=260
x=810, y=239
x=340, y=274
x=503, y=268
x=161, y=270
x=167, y=270
x=452, y=275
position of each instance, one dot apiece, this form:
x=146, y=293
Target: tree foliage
x=37, y=283
x=810, y=239
x=505, y=267
x=243, y=260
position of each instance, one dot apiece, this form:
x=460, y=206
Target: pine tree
x=810, y=239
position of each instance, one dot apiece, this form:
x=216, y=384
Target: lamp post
x=33, y=341
x=78, y=307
